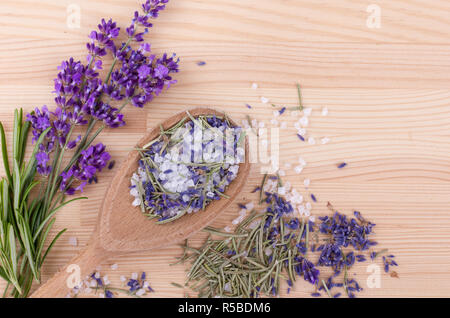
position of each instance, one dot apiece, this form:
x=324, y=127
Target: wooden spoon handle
x=73, y=273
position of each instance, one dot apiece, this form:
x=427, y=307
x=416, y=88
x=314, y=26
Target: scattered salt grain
x=307, y=182
x=311, y=141
x=301, y=161
x=114, y=267
x=236, y=221
x=250, y=206
x=264, y=100
x=287, y=185
x=283, y=125
x=73, y=241
x=325, y=140
x=97, y=275
x=227, y=229
x=254, y=85
x=106, y=280
x=276, y=113
x=123, y=278
x=274, y=122
x=281, y=190
x=304, y=121
x=308, y=206
x=261, y=124
x=140, y=292
x=254, y=224
x=324, y=111
x=282, y=173
x=307, y=111
x=134, y=276
x=288, y=165
x=298, y=169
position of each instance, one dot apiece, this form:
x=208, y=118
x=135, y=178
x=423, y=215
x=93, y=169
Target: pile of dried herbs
x=274, y=245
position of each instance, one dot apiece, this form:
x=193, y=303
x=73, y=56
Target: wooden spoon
x=122, y=228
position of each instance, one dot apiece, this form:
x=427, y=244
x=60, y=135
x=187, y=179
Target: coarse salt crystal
x=97, y=275
x=282, y=173
x=114, y=266
x=287, y=185
x=304, y=121
x=307, y=182
x=250, y=206
x=307, y=111
x=106, y=280
x=134, y=275
x=301, y=161
x=276, y=113
x=288, y=165
x=254, y=85
x=227, y=229
x=281, y=190
x=274, y=122
x=264, y=100
x=254, y=224
x=261, y=124
x=283, y=125
x=73, y=241
x=325, y=140
x=312, y=218
x=311, y=141
x=236, y=221
x=242, y=212
x=298, y=169
x=324, y=111
x=122, y=278
x=140, y=292
x=136, y=202
x=308, y=205
x=245, y=123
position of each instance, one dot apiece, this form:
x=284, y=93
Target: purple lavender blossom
x=91, y=161
x=83, y=98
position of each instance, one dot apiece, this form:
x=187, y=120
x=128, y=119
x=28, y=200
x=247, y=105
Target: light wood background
x=387, y=90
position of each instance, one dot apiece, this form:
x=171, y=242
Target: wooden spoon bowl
x=122, y=228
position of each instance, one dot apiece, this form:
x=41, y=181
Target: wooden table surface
x=386, y=88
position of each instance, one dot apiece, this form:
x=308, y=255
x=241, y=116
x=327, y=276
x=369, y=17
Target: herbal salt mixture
x=187, y=167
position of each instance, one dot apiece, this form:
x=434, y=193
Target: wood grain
x=386, y=90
